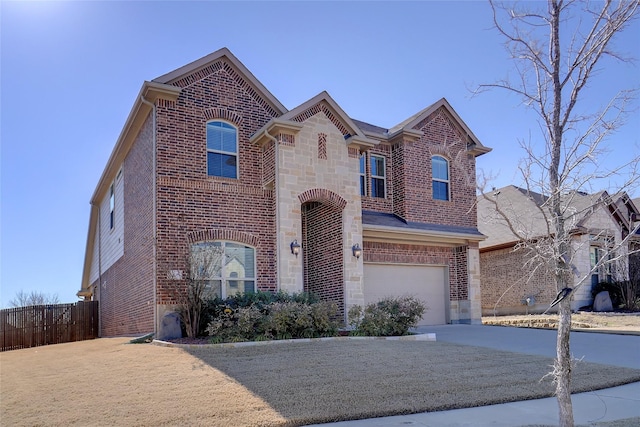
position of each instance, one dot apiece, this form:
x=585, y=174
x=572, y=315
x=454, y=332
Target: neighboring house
x=511, y=284
x=208, y=158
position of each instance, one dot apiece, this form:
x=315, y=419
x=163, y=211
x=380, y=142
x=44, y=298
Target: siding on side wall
x=126, y=292
x=110, y=239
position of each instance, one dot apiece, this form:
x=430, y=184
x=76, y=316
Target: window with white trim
x=227, y=268
x=378, y=180
x=222, y=149
x=440, y=175
x=112, y=206
x=363, y=175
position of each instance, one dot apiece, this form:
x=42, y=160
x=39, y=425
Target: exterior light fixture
x=357, y=250
x=295, y=247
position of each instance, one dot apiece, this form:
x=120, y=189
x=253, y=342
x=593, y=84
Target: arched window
x=440, y=175
x=227, y=268
x=222, y=149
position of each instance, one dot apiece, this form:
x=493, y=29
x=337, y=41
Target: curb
x=417, y=337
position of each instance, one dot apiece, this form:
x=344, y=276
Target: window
x=440, y=174
x=377, y=176
x=227, y=268
x=363, y=175
x=112, y=207
x=222, y=150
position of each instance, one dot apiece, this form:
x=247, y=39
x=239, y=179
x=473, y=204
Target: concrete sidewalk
x=601, y=406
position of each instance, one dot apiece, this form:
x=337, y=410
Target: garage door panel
x=426, y=283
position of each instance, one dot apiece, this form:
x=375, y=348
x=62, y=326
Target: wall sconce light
x=357, y=250
x=295, y=248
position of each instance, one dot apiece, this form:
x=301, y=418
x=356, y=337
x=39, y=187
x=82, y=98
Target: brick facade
x=297, y=179
x=125, y=290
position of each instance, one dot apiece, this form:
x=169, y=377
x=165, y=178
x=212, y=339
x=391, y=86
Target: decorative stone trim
x=222, y=113
x=321, y=107
x=322, y=146
x=223, y=234
x=354, y=153
x=165, y=103
x=286, y=139
x=323, y=195
x=221, y=186
x=222, y=65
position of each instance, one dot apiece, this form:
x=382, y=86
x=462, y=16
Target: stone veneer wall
x=305, y=176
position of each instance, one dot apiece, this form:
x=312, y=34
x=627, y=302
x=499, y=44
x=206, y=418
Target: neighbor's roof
x=528, y=212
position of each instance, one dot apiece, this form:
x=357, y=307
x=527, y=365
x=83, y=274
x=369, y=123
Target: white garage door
x=424, y=282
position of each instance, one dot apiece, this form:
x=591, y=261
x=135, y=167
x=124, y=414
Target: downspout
x=276, y=162
x=93, y=205
x=154, y=216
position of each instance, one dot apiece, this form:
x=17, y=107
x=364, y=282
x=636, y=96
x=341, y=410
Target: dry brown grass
x=110, y=382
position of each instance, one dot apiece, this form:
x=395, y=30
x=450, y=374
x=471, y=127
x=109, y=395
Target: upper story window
x=377, y=176
x=363, y=175
x=112, y=206
x=222, y=149
x=227, y=268
x=440, y=174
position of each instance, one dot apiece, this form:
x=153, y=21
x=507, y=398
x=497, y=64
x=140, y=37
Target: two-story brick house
x=209, y=158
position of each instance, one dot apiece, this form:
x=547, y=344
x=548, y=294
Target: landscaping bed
x=612, y=321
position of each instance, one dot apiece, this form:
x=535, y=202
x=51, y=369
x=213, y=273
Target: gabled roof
x=206, y=61
x=322, y=102
x=528, y=212
x=410, y=124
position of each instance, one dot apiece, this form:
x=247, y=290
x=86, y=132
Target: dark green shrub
x=266, y=316
x=391, y=316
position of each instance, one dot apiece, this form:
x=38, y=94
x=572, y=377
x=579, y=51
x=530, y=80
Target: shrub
x=388, y=317
x=266, y=316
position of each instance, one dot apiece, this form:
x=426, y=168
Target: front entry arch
x=323, y=259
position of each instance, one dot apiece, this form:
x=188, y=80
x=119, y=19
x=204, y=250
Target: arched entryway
x=322, y=242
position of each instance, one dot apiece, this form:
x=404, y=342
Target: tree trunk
x=562, y=371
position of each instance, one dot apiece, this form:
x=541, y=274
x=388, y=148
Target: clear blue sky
x=70, y=72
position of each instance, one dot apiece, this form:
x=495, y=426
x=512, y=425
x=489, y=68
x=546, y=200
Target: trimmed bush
x=266, y=316
x=391, y=316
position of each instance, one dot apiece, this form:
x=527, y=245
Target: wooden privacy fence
x=36, y=325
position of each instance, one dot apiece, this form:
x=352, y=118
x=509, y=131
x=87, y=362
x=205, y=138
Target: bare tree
x=192, y=292
x=558, y=48
x=23, y=299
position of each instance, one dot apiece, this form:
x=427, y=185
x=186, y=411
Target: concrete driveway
x=595, y=347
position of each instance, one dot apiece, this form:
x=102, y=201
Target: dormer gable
x=217, y=61
x=291, y=122
x=412, y=125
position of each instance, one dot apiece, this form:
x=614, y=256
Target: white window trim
x=382, y=177
x=363, y=175
x=112, y=206
x=236, y=154
x=224, y=277
x=447, y=181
